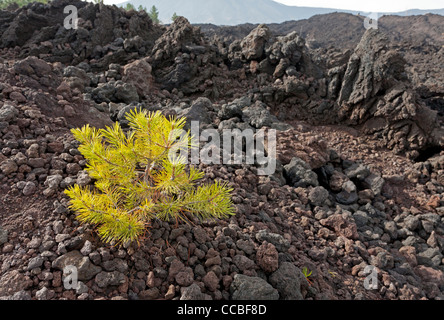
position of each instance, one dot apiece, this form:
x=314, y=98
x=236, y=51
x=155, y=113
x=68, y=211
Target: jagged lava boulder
x=376, y=95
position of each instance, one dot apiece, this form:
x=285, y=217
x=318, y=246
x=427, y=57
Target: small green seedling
x=332, y=273
x=307, y=273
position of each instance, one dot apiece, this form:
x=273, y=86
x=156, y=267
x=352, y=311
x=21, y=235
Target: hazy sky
x=369, y=5
x=365, y=6
x=110, y=1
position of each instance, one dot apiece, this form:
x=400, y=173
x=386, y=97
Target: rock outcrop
x=376, y=94
x=104, y=33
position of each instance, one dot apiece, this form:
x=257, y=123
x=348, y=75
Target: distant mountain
x=230, y=12
x=233, y=12
x=415, y=12
x=343, y=30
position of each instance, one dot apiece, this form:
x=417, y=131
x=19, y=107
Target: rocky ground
x=359, y=180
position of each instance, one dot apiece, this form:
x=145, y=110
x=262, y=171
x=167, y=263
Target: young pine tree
x=129, y=7
x=154, y=14
x=139, y=177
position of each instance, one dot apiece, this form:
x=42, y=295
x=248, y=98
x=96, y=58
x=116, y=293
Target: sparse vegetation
x=153, y=13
